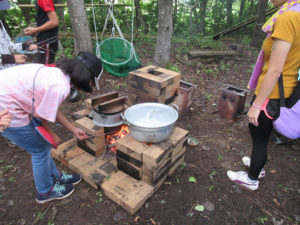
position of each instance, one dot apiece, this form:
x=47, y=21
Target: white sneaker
x=241, y=178
x=246, y=161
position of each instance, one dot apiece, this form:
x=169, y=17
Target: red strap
x=50, y=65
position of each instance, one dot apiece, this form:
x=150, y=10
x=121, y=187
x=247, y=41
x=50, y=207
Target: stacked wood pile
x=153, y=84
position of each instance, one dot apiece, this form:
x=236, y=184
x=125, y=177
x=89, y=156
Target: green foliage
x=99, y=195
x=262, y=219
x=172, y=67
x=143, y=39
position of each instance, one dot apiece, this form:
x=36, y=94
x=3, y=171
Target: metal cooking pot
x=151, y=122
x=107, y=120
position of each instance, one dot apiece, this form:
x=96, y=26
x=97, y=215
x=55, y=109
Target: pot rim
x=127, y=111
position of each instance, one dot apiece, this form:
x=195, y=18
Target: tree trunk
x=242, y=6
x=60, y=14
x=80, y=26
x=258, y=34
x=251, y=7
x=164, y=34
x=140, y=22
x=27, y=12
x=202, y=15
x=229, y=12
x=191, y=18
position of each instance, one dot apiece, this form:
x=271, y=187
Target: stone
x=297, y=218
x=209, y=206
x=118, y=217
x=205, y=148
x=238, y=190
x=10, y=202
x=2, y=188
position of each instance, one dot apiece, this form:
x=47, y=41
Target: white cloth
x=52, y=87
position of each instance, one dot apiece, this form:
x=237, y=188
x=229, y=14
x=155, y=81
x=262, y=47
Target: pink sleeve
x=50, y=102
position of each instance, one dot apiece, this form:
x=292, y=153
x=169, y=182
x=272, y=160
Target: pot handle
x=124, y=121
x=175, y=107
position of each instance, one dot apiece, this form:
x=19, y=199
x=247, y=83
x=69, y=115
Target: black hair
x=80, y=76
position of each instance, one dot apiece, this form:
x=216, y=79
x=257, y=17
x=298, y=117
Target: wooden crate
x=152, y=84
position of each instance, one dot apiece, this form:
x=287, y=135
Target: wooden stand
x=152, y=84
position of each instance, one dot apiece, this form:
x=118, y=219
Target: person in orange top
x=281, y=55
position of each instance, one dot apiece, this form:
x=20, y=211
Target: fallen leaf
x=199, y=208
x=192, y=179
x=152, y=221
x=137, y=219
x=276, y=202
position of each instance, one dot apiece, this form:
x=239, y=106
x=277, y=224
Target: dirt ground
x=222, y=145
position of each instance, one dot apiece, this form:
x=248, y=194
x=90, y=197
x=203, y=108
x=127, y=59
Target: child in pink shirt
x=40, y=89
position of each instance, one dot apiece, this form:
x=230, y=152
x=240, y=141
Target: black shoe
x=74, y=95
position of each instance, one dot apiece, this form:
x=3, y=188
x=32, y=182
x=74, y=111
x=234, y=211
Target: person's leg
x=260, y=137
x=44, y=169
x=53, y=47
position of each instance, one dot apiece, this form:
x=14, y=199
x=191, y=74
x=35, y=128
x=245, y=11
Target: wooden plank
x=128, y=158
x=80, y=114
x=70, y=154
x=210, y=53
x=176, y=164
x=88, y=103
x=96, y=140
x=157, y=173
x=163, y=93
x=91, y=172
x=60, y=148
x=142, y=96
x=126, y=191
x=157, y=183
x=104, y=97
x=131, y=99
x=79, y=161
x=155, y=76
x=95, y=150
x=179, y=152
x=87, y=125
x=129, y=168
x=113, y=105
x=177, y=135
x=132, y=147
x=155, y=157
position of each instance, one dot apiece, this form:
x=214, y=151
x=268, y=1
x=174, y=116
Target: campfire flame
x=111, y=139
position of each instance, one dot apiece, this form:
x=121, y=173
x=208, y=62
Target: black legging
x=260, y=137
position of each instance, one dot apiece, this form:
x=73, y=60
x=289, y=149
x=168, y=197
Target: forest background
x=194, y=22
